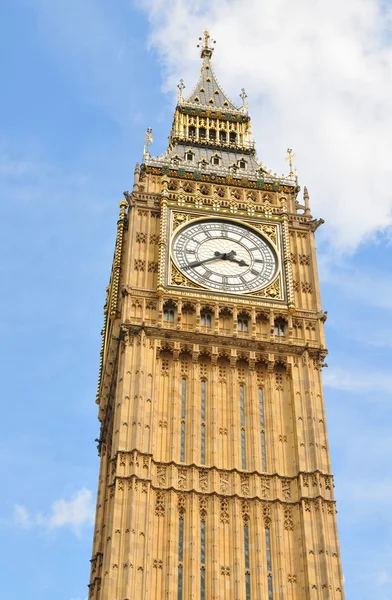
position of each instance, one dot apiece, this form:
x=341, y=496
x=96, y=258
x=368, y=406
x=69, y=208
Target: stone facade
x=215, y=478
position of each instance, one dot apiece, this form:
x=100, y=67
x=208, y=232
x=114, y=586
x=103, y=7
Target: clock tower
x=215, y=478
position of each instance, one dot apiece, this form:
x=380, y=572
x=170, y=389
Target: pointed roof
x=207, y=91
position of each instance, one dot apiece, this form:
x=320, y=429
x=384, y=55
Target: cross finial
x=206, y=49
x=149, y=137
x=244, y=96
x=289, y=158
x=181, y=87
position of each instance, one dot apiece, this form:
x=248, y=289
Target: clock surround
x=223, y=255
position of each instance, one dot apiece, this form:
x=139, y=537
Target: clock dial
x=224, y=256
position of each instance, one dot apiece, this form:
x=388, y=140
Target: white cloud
x=74, y=513
x=22, y=517
x=319, y=80
x=359, y=381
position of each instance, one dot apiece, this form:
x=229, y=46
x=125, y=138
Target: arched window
x=168, y=315
x=189, y=156
x=223, y=137
x=242, y=324
x=202, y=133
x=279, y=328
x=212, y=134
x=233, y=137
x=216, y=160
x=192, y=131
x=205, y=320
x=242, y=163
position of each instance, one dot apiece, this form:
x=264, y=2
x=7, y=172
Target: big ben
x=215, y=480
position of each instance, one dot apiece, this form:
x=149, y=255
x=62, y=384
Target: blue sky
x=81, y=83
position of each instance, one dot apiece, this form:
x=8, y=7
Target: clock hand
x=196, y=263
x=241, y=262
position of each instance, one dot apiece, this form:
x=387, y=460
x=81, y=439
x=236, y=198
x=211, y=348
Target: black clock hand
x=196, y=263
x=242, y=263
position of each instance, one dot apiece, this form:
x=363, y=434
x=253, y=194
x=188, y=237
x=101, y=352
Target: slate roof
x=207, y=88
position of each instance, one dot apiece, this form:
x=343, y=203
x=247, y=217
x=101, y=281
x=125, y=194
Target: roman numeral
x=255, y=272
x=258, y=260
x=190, y=251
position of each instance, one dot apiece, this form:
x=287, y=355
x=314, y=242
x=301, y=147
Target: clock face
x=224, y=256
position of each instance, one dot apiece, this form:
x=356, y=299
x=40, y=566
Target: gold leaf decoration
x=177, y=278
x=270, y=232
x=179, y=219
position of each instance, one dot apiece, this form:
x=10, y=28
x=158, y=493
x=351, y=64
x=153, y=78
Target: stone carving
x=154, y=238
x=265, y=487
x=139, y=264
x=224, y=483
x=288, y=519
x=224, y=511
x=157, y=563
x=203, y=507
x=279, y=382
x=161, y=476
x=152, y=267
x=307, y=287
x=160, y=504
x=225, y=570
x=267, y=515
x=245, y=510
x=271, y=232
x=181, y=504
x=286, y=489
x=182, y=477
x=203, y=480
x=245, y=485
x=141, y=238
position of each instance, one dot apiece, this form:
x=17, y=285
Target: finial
x=244, y=96
x=149, y=137
x=289, y=158
x=181, y=87
x=206, y=50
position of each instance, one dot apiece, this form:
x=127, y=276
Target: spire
x=207, y=91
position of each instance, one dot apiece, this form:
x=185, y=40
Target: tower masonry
x=215, y=479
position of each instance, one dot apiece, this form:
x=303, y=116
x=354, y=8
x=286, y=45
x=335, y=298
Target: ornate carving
x=152, y=266
x=179, y=219
x=224, y=483
x=288, y=519
x=265, y=487
x=225, y=570
x=154, y=238
x=157, y=563
x=286, y=489
x=203, y=507
x=182, y=478
x=224, y=511
x=161, y=476
x=181, y=503
x=160, y=504
x=203, y=480
x=304, y=259
x=139, y=264
x=267, y=515
x=245, y=484
x=279, y=382
x=271, y=232
x=177, y=278
x=307, y=287
x=141, y=238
